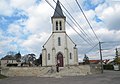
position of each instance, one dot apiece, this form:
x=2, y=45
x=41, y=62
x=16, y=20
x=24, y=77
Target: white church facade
x=59, y=48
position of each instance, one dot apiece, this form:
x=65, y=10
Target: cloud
x=6, y=45
x=17, y=36
x=107, y=35
x=22, y=4
x=15, y=30
x=5, y=8
x=96, y=2
x=109, y=15
x=34, y=42
x=39, y=19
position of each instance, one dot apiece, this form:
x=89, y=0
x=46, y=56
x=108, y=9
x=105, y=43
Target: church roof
x=58, y=11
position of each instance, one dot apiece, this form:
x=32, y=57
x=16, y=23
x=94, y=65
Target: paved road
x=109, y=77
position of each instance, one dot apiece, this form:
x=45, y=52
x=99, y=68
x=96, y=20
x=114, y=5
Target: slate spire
x=58, y=13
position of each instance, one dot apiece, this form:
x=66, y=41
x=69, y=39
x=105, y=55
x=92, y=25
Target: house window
x=56, y=25
x=7, y=61
x=60, y=25
x=59, y=41
x=48, y=56
x=70, y=55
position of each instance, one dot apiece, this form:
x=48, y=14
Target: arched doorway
x=60, y=59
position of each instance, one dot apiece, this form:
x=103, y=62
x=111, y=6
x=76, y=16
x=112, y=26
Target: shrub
x=10, y=65
x=108, y=67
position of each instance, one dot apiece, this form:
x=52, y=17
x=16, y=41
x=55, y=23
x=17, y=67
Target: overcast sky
x=25, y=25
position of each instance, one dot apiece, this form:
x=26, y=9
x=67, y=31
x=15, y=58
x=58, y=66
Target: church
x=59, y=48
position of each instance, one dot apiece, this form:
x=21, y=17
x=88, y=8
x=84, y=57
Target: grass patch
x=2, y=76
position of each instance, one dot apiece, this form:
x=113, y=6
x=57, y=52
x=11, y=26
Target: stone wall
x=24, y=71
x=47, y=71
x=95, y=68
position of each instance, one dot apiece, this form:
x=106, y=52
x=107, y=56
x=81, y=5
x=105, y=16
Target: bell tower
x=59, y=49
x=58, y=19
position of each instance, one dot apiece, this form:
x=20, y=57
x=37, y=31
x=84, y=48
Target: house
x=59, y=48
x=98, y=61
x=0, y=62
x=8, y=59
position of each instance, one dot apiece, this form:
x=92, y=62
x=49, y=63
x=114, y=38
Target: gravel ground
x=108, y=77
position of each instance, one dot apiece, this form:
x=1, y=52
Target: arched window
x=70, y=55
x=56, y=25
x=60, y=25
x=49, y=56
x=59, y=41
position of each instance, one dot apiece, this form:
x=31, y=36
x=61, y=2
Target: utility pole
x=116, y=53
x=101, y=61
x=116, y=58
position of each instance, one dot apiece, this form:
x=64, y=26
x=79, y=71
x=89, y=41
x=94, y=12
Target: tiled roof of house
x=94, y=61
x=8, y=57
x=97, y=61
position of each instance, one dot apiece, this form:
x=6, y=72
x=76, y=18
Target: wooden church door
x=60, y=59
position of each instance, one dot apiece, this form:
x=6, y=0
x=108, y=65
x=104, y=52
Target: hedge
x=10, y=65
x=108, y=67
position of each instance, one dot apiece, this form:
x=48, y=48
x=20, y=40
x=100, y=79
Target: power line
x=78, y=17
x=87, y=20
x=111, y=42
x=78, y=33
x=74, y=29
x=82, y=30
x=70, y=25
x=103, y=49
x=92, y=48
x=69, y=5
x=108, y=55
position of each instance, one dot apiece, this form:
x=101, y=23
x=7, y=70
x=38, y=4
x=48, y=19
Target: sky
x=25, y=25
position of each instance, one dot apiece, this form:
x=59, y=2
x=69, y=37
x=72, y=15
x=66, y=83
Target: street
x=108, y=77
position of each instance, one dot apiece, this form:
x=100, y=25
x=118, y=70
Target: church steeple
x=58, y=13
x=58, y=19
